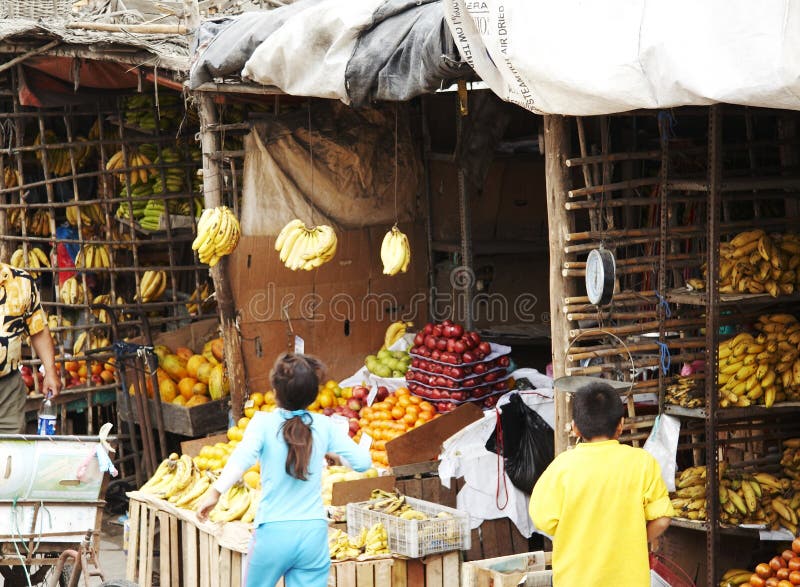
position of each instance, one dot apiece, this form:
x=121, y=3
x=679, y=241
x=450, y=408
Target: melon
x=218, y=386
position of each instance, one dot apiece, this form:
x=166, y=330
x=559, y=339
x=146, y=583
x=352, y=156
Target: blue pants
x=296, y=551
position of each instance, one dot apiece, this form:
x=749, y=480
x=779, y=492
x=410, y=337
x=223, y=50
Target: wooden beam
x=561, y=223
x=29, y=54
x=143, y=29
x=212, y=192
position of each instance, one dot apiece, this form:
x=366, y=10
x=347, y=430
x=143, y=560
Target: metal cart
x=51, y=507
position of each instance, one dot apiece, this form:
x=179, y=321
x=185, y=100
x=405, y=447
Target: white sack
x=586, y=58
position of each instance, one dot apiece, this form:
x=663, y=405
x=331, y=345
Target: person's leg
x=313, y=560
x=271, y=553
x=12, y=404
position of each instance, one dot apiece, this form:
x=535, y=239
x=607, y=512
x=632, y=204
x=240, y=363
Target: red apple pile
x=449, y=365
x=354, y=405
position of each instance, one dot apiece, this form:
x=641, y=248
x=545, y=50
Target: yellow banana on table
x=218, y=233
x=306, y=248
x=395, y=252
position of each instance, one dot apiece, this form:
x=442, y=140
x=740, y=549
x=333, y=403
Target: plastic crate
x=415, y=538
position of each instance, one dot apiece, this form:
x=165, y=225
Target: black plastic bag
x=525, y=442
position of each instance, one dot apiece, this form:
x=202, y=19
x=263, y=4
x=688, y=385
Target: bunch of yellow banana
x=395, y=252
x=790, y=461
x=199, y=300
x=306, y=248
x=89, y=341
x=218, y=234
x=71, y=291
x=394, y=504
x=234, y=504
x=54, y=323
x=39, y=225
x=756, y=262
x=684, y=392
x=194, y=490
x=106, y=300
x=735, y=577
x=395, y=332
x=152, y=286
x=140, y=167
x=172, y=476
x=11, y=177
x=90, y=214
x=377, y=540
x=342, y=547
x=32, y=261
x=91, y=256
x=16, y=216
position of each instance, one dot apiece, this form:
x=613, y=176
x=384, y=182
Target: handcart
x=51, y=507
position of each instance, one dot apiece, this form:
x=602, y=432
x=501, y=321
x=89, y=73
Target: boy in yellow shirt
x=603, y=501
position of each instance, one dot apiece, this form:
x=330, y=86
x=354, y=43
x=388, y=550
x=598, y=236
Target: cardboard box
x=346, y=492
x=527, y=569
x=192, y=447
x=425, y=443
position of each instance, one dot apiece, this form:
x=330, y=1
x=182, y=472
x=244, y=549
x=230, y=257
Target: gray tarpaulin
x=383, y=49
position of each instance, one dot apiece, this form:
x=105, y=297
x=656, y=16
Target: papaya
x=218, y=349
x=167, y=390
x=193, y=363
x=184, y=353
x=175, y=367
x=218, y=386
x=185, y=387
x=179, y=401
x=208, y=354
x=204, y=372
x=161, y=351
x=196, y=401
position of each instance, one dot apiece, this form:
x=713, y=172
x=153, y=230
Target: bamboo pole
x=28, y=55
x=142, y=29
x=556, y=147
x=212, y=191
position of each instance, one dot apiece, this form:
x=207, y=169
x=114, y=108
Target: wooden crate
x=508, y=571
x=195, y=421
x=432, y=571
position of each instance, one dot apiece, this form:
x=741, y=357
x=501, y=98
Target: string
x=396, y=151
x=664, y=304
x=311, y=158
x=666, y=358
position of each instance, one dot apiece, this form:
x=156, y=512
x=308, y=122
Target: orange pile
x=394, y=416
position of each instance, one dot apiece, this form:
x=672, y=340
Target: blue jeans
x=296, y=551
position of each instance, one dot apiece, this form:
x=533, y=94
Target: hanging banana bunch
x=89, y=341
x=152, y=286
x=218, y=234
x=395, y=252
x=89, y=214
x=92, y=256
x=106, y=300
x=140, y=166
x=11, y=178
x=35, y=259
x=71, y=292
x=305, y=248
x=199, y=300
x=39, y=225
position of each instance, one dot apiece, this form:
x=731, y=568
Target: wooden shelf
x=683, y=295
x=733, y=413
x=704, y=526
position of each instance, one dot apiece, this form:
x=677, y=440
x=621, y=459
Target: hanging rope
x=311, y=159
x=662, y=302
x=396, y=155
x=665, y=357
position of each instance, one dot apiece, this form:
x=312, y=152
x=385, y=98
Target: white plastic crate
x=415, y=538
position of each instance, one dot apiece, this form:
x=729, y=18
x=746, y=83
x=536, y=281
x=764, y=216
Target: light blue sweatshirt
x=283, y=497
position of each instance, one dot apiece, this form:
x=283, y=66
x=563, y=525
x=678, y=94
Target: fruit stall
x=674, y=273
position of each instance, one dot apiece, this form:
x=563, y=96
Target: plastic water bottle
x=47, y=418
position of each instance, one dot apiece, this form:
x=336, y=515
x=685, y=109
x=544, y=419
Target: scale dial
x=600, y=274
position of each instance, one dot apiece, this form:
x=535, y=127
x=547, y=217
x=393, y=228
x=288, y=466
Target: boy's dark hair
x=597, y=410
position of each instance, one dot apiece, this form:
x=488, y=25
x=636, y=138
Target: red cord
x=670, y=567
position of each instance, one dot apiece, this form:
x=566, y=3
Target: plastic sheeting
x=352, y=51
x=352, y=184
x=587, y=58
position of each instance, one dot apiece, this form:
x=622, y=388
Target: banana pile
x=55, y=322
x=59, y=161
x=240, y=502
x=305, y=248
x=744, y=498
x=790, y=460
x=34, y=260
x=395, y=504
x=370, y=542
x=89, y=214
x=761, y=369
x=91, y=256
x=152, y=286
x=89, y=341
x=394, y=332
x=173, y=176
x=140, y=111
x=199, y=300
x=684, y=392
x=11, y=177
x=140, y=195
x=395, y=252
x=71, y=292
x=735, y=577
x=139, y=167
x=756, y=262
x=152, y=214
x=218, y=234
x=38, y=225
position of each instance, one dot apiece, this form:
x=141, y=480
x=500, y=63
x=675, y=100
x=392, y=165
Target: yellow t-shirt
x=595, y=501
x=20, y=312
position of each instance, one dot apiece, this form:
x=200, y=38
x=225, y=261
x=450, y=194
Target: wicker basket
x=35, y=9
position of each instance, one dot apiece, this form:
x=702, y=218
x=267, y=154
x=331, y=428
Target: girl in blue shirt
x=291, y=535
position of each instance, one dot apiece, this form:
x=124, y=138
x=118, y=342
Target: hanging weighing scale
x=600, y=275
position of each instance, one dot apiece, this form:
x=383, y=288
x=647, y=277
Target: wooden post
x=556, y=150
x=212, y=192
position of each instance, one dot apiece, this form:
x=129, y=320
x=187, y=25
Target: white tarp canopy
x=582, y=57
